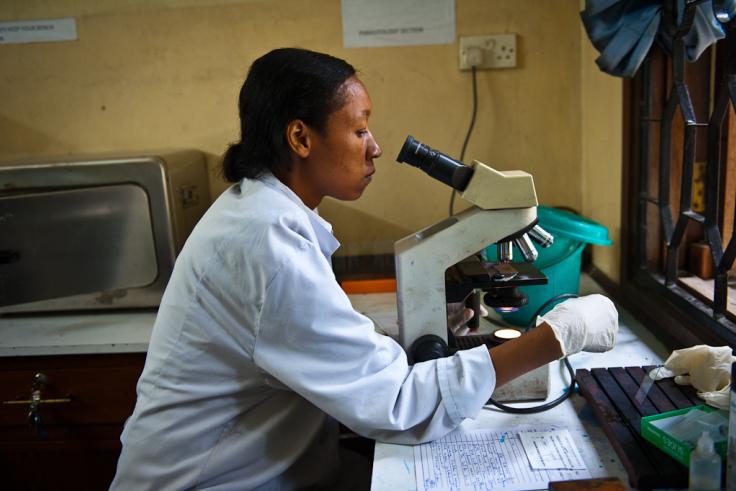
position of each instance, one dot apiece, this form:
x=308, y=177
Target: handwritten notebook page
x=487, y=459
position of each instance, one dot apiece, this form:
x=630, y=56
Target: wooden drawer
x=58, y=465
x=82, y=440
x=100, y=389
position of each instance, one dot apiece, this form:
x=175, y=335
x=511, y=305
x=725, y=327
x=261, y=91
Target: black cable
x=571, y=387
x=472, y=117
x=467, y=135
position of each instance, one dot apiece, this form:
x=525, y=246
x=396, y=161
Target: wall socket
x=486, y=52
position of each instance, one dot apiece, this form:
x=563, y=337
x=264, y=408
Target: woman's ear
x=298, y=138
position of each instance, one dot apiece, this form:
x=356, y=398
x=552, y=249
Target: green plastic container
x=560, y=262
x=678, y=449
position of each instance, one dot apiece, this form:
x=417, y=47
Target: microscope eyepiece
x=438, y=165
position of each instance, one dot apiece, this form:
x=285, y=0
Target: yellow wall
x=166, y=73
x=601, y=155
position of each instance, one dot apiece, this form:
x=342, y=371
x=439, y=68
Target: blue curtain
x=623, y=30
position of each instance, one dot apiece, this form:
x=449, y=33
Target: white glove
x=707, y=368
x=587, y=323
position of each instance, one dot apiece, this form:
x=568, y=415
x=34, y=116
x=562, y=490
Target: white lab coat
x=255, y=341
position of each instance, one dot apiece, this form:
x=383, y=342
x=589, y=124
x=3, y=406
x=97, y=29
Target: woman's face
x=340, y=160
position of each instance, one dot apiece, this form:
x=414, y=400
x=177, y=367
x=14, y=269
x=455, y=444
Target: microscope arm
x=422, y=259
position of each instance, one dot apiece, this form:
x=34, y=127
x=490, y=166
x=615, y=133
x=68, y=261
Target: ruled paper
x=485, y=459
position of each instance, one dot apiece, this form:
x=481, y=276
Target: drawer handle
x=40, y=381
x=41, y=401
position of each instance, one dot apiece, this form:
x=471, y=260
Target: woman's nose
x=374, y=151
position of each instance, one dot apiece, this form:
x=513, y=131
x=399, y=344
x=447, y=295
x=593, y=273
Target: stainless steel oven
x=95, y=233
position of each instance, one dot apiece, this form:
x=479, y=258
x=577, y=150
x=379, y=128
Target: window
x=679, y=244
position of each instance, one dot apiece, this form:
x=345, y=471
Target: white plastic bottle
x=731, y=461
x=705, y=466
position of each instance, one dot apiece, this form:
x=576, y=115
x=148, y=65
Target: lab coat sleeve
x=313, y=341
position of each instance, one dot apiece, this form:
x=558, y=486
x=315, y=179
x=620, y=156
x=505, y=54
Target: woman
x=256, y=348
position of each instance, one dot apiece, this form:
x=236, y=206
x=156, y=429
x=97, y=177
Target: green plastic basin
x=560, y=262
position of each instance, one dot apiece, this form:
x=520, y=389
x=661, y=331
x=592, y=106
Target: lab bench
x=91, y=363
x=394, y=465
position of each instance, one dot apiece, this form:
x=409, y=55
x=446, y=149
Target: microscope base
x=531, y=386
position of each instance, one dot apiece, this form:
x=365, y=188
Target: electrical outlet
x=498, y=51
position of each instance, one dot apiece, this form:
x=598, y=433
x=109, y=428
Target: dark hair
x=282, y=85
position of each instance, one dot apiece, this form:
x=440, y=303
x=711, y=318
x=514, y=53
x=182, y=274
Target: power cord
x=564, y=296
x=467, y=135
x=571, y=387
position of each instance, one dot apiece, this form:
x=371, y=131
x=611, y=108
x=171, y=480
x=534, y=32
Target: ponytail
x=283, y=85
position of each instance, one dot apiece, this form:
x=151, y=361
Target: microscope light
x=506, y=333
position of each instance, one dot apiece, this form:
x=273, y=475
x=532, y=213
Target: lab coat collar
x=322, y=228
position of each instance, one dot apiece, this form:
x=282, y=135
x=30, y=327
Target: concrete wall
x=166, y=74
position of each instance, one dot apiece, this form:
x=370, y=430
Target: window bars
x=673, y=225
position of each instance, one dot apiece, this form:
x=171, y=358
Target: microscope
x=441, y=264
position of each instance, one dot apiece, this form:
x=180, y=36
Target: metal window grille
x=654, y=128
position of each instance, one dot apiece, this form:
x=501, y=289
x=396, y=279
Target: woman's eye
x=361, y=132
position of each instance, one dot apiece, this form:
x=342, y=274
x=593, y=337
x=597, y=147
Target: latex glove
x=707, y=368
x=588, y=323
x=458, y=316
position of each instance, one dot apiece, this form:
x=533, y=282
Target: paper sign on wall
x=397, y=22
x=38, y=31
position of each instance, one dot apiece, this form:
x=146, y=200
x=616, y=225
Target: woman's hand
x=458, y=316
x=587, y=323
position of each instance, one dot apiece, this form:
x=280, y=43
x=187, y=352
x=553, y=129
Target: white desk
x=393, y=465
x=77, y=333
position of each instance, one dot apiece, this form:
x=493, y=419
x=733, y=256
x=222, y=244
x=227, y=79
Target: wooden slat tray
x=619, y=406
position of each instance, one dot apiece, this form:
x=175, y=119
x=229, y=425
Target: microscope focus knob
x=428, y=347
